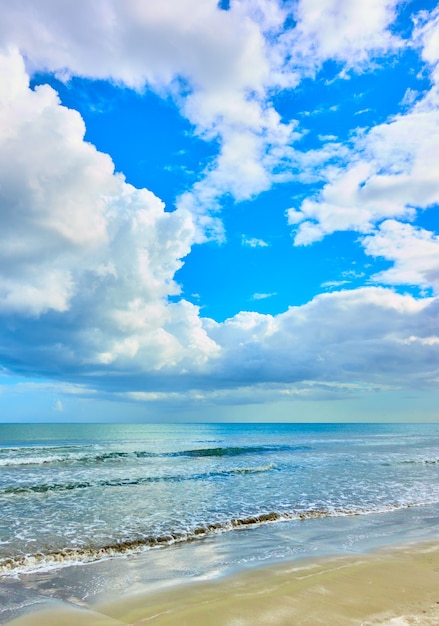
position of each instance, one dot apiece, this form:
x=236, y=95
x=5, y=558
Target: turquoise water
x=81, y=493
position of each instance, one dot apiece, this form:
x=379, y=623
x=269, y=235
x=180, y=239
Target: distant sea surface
x=72, y=494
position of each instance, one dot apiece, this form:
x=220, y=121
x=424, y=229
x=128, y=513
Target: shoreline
x=393, y=586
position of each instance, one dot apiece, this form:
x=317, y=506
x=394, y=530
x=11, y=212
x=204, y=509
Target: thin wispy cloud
x=254, y=242
x=263, y=296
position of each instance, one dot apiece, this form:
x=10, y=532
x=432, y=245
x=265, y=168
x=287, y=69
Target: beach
x=395, y=587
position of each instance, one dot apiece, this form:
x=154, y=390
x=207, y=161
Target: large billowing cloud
x=85, y=258
x=370, y=334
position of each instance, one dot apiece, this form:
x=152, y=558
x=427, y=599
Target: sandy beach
x=396, y=587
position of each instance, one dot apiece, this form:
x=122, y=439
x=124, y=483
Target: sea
x=92, y=509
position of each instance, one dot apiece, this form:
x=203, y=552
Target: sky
x=219, y=211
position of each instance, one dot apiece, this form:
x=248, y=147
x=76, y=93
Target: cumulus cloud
x=413, y=251
x=51, y=195
x=391, y=174
x=426, y=34
x=339, y=343
x=370, y=334
x=86, y=256
x=253, y=242
x=341, y=30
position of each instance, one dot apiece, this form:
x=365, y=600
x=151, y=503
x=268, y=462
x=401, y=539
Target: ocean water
x=92, y=512
x=88, y=493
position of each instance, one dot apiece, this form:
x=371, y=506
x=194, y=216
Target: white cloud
x=328, y=137
x=91, y=256
x=58, y=406
x=391, y=173
x=346, y=31
x=263, y=296
x=410, y=96
x=52, y=187
x=329, y=284
x=427, y=34
x=338, y=337
x=134, y=42
x=115, y=329
x=254, y=242
x=414, y=252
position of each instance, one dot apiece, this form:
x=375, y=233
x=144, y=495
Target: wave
x=126, y=482
x=118, y=455
x=199, y=452
x=72, y=458
x=233, y=451
x=22, y=564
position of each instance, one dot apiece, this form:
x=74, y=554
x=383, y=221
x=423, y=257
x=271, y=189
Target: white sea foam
x=30, y=460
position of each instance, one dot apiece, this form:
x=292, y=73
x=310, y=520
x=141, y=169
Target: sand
x=393, y=587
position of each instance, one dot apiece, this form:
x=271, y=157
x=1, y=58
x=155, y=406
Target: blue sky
x=219, y=212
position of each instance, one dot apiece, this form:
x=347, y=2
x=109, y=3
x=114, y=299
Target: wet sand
x=394, y=587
